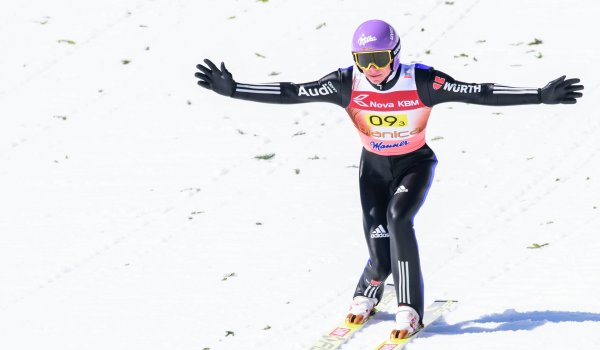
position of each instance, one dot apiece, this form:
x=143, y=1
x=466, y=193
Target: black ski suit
x=397, y=166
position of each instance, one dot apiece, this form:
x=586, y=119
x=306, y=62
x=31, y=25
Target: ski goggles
x=378, y=59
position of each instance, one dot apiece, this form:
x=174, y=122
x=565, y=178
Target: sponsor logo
x=392, y=101
x=330, y=85
x=340, y=332
x=462, y=88
x=385, y=105
x=409, y=103
x=394, y=135
x=380, y=105
x=359, y=100
x=364, y=40
x=438, y=82
x=379, y=232
x=390, y=135
x=380, y=146
x=324, y=90
x=375, y=283
x=401, y=189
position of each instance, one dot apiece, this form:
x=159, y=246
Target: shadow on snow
x=509, y=320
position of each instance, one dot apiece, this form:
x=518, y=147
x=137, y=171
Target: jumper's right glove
x=220, y=81
x=561, y=91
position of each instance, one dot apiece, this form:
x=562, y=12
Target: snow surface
x=134, y=214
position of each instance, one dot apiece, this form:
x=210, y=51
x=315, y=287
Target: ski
x=432, y=314
x=341, y=333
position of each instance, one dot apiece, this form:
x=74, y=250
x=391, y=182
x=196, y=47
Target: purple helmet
x=374, y=35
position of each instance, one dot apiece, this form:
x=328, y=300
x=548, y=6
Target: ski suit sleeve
x=333, y=88
x=435, y=87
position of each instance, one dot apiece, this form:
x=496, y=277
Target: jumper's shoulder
x=422, y=66
x=346, y=73
x=423, y=79
x=423, y=72
x=339, y=76
x=346, y=76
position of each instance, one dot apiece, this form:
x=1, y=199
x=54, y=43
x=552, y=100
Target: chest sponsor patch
x=391, y=101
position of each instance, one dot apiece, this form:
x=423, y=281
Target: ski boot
x=361, y=308
x=407, y=323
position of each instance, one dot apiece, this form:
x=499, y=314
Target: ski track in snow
x=133, y=222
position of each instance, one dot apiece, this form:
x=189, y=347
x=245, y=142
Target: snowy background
x=134, y=214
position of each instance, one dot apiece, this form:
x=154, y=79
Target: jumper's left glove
x=220, y=81
x=561, y=91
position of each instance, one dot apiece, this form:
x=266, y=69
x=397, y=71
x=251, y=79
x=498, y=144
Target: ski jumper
x=396, y=166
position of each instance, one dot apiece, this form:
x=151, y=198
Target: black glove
x=220, y=81
x=561, y=91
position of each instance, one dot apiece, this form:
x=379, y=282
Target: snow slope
x=134, y=214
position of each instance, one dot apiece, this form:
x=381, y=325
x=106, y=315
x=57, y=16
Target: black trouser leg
x=392, y=190
x=374, y=196
x=403, y=207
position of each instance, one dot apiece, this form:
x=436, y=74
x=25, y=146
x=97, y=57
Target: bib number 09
x=398, y=120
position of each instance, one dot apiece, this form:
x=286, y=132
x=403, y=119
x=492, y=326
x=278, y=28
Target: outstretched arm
x=436, y=87
x=333, y=88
